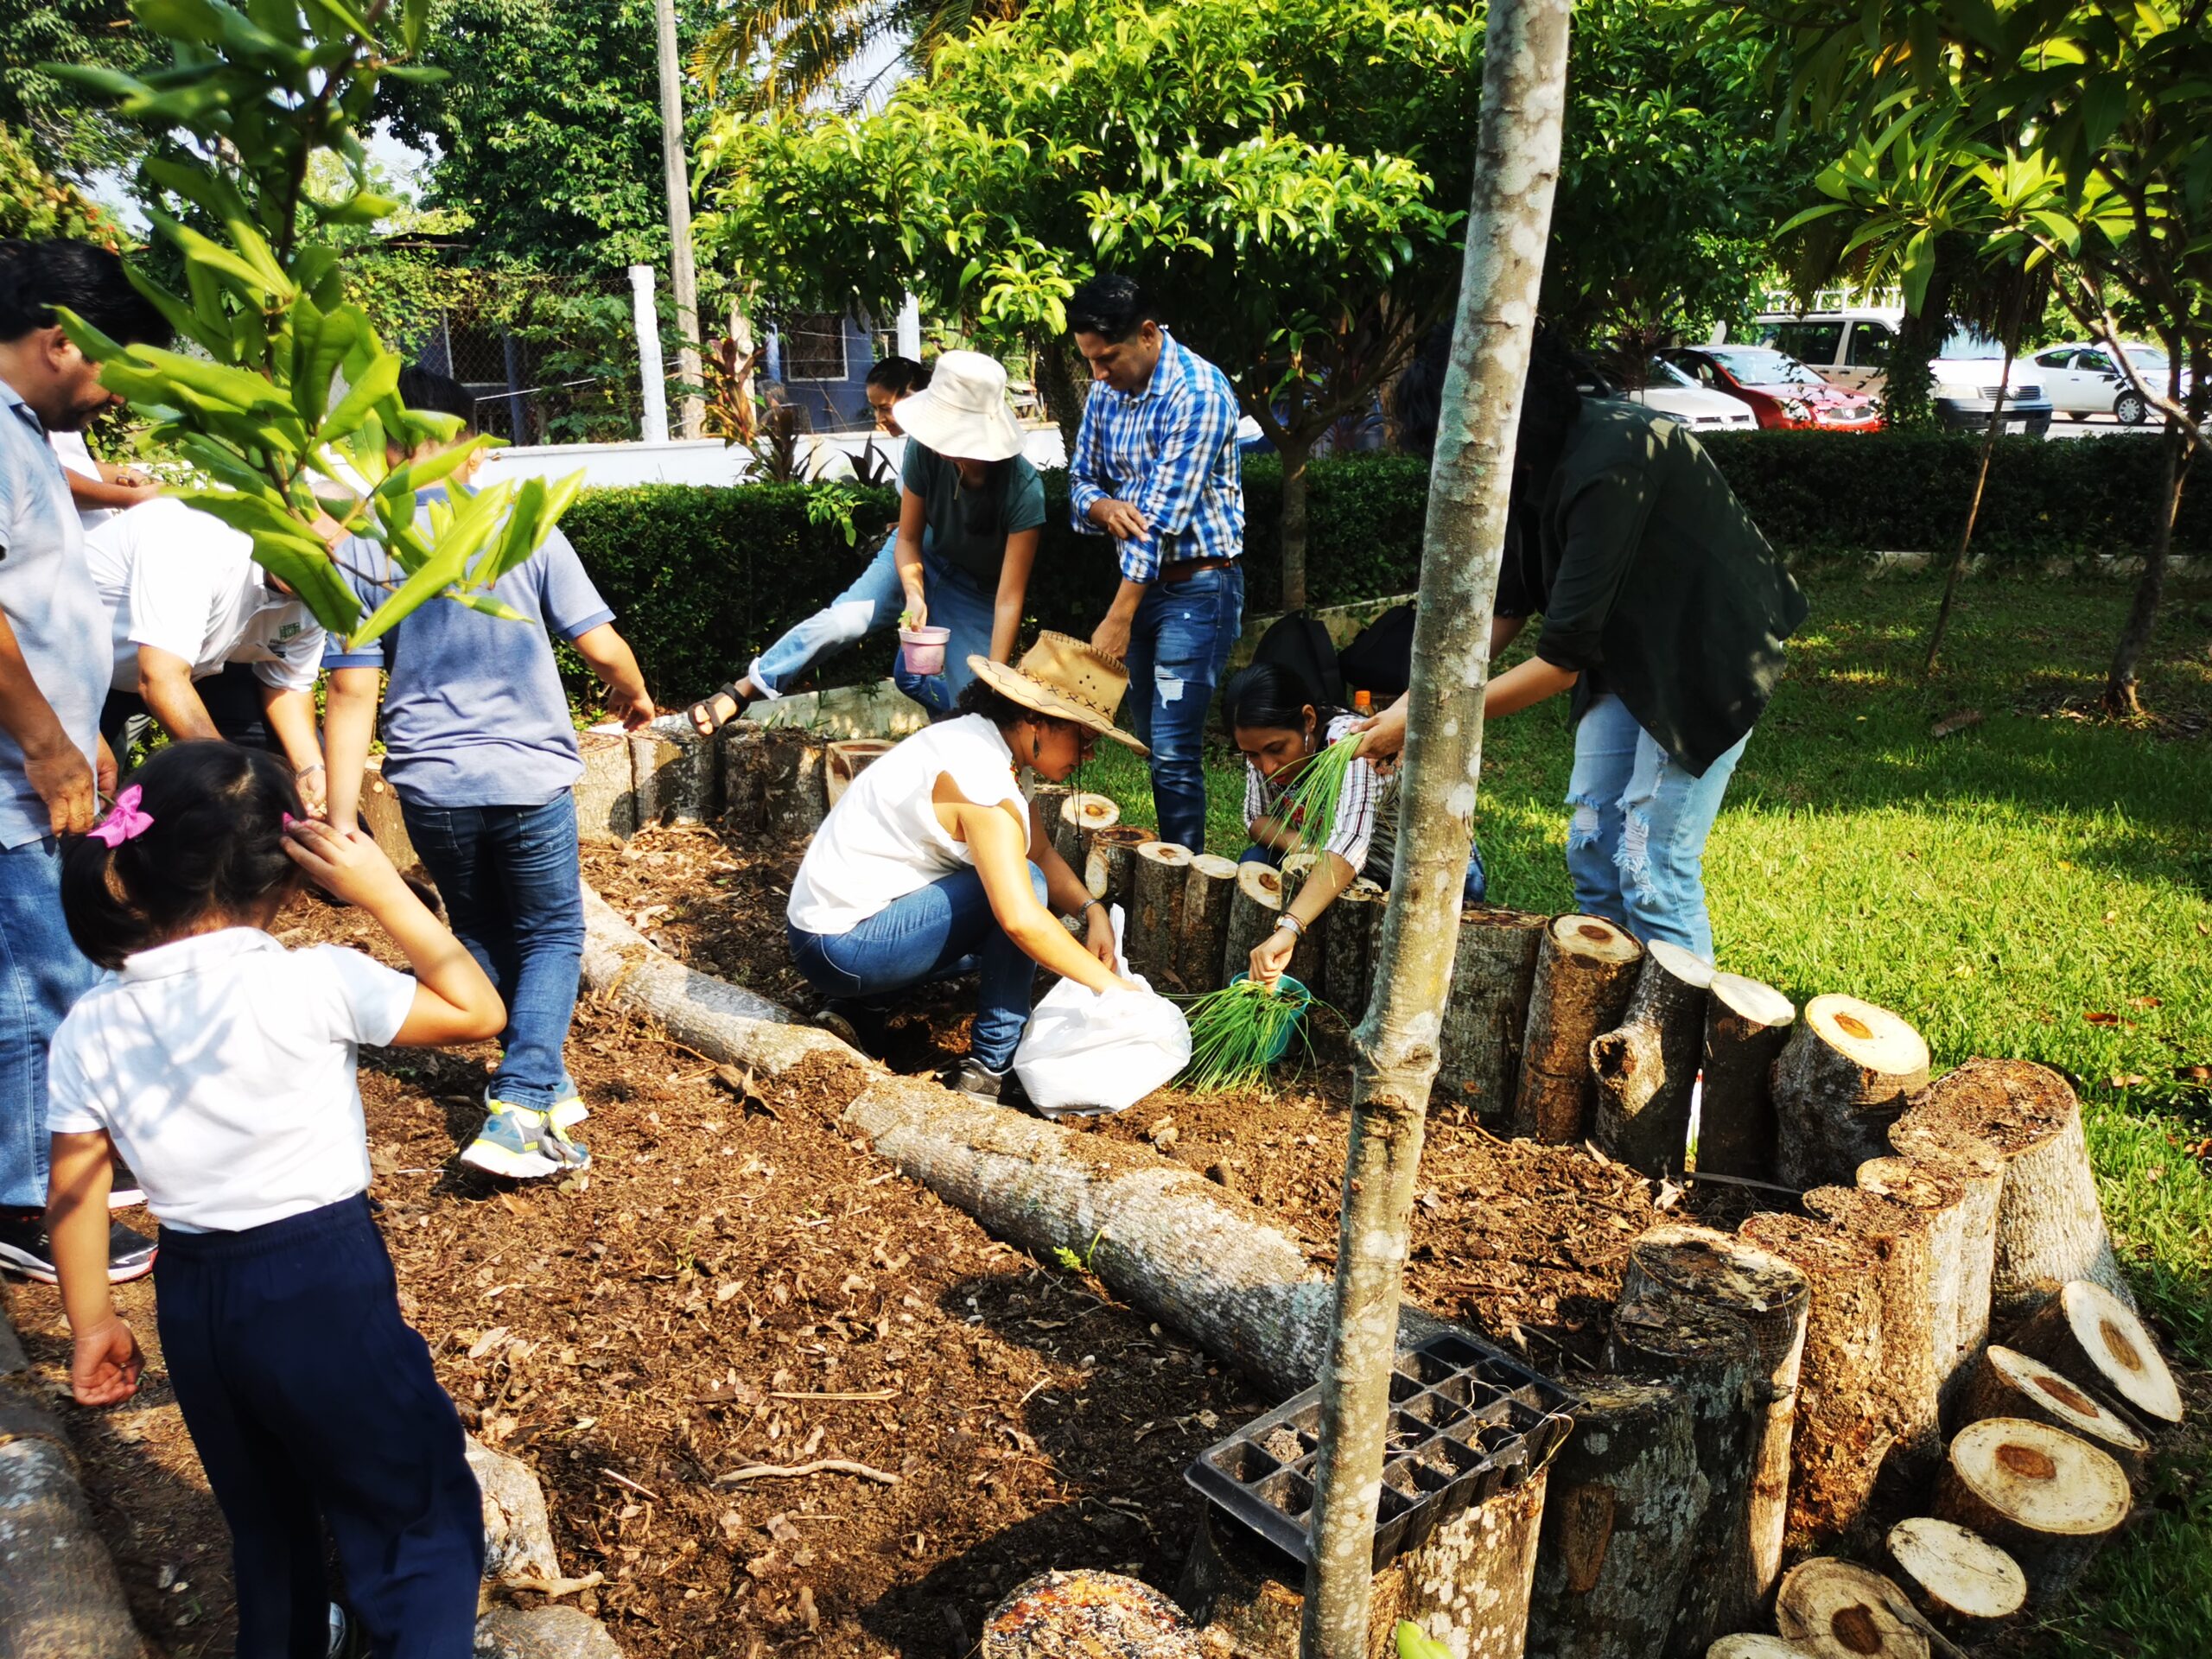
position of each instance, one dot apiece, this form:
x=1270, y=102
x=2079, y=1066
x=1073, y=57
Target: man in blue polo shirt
x=1156, y=466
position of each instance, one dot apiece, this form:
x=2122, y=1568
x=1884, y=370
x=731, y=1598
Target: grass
x=2038, y=886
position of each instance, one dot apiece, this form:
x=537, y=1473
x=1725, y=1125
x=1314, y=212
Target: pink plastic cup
x=923, y=649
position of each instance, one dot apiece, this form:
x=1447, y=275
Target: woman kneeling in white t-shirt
x=932, y=863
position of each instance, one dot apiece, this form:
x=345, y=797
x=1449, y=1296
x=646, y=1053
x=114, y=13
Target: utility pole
x=683, y=277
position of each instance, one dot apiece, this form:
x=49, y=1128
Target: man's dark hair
x=436, y=394
x=1111, y=305
x=35, y=276
x=900, y=376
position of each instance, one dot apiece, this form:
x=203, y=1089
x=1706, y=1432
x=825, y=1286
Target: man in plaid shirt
x=1156, y=466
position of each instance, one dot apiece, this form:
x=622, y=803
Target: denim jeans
x=1471, y=891
x=41, y=976
x=1179, y=645
x=956, y=600
x=943, y=929
x=513, y=892
x=1636, y=844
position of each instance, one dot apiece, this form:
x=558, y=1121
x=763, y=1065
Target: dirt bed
x=735, y=1282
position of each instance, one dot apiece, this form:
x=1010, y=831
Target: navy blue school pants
x=313, y=1405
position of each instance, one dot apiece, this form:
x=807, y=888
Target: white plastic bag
x=1089, y=1052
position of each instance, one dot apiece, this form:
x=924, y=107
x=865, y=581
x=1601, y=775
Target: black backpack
x=1297, y=641
x=1380, y=661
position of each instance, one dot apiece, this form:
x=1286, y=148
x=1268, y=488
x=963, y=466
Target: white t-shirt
x=222, y=1066
x=882, y=840
x=185, y=582
x=70, y=448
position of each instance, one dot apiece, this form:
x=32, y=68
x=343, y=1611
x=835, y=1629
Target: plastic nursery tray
x=1466, y=1421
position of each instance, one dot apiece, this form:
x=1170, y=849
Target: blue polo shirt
x=48, y=596
x=474, y=714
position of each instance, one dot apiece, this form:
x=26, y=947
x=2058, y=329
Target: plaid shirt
x=1169, y=451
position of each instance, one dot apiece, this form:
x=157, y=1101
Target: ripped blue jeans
x=1179, y=645
x=1636, y=844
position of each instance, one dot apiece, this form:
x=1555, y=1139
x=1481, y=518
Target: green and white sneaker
x=523, y=1145
x=570, y=1110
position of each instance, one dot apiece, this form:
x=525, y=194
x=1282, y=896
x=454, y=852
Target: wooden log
x=517, y=1533
x=1086, y=1614
x=549, y=1633
x=1772, y=1297
x=1348, y=952
x=1974, y=1165
x=2050, y=1230
x=1083, y=816
x=1110, y=867
x=1626, y=1498
x=2090, y=1335
x=1048, y=799
x=1708, y=1356
x=1841, y=1434
x=1839, y=1081
x=1308, y=957
x=1252, y=915
x=1585, y=971
x=1646, y=1065
x=796, y=795
x=381, y=816
x=1942, y=1200
x=1493, y=972
x=1957, y=1578
x=1159, y=872
x=741, y=763
x=607, y=794
x=59, y=1595
x=2047, y=1499
x=845, y=758
x=1207, y=890
x=1746, y=1023
x=2008, y=1383
x=1751, y=1644
x=1839, y=1609
x=1900, y=1238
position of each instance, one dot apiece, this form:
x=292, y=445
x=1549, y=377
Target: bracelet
x=303, y=770
x=1088, y=903
x=1297, y=928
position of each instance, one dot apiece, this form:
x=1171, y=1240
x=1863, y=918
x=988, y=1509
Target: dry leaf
x=485, y=1344
x=2145, y=1002
x=2127, y=1080
x=806, y=1610
x=2100, y=1018
x=1964, y=719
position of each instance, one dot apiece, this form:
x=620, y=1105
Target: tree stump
x=672, y=769
x=1708, y=1356
x=1646, y=1065
x=1899, y=1238
x=1839, y=1609
x=1081, y=817
x=2050, y=1229
x=1158, y=873
x=1493, y=971
x=1941, y=1200
x=1087, y=1614
x=2011, y=1384
x=1047, y=800
x=1841, y=1435
x=1207, y=890
x=1626, y=1498
x=1252, y=914
x=794, y=795
x=1973, y=1163
x=1772, y=1297
x=1309, y=957
x=1750, y=1644
x=1110, y=867
x=1839, y=1081
x=606, y=795
x=2045, y=1497
x=381, y=816
x=1746, y=1023
x=2093, y=1337
x=1585, y=972
x=1960, y=1580
x=1347, y=953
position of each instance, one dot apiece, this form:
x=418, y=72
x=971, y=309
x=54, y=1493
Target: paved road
x=2100, y=426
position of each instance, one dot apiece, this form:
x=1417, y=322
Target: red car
x=1780, y=390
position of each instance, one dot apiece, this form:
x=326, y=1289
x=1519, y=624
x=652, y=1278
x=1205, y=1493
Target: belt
x=1184, y=569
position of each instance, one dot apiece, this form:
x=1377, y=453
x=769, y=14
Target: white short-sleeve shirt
x=75, y=455
x=882, y=840
x=222, y=1066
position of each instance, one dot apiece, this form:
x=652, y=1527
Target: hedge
x=703, y=578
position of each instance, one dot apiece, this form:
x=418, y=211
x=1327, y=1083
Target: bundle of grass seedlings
x=1311, y=803
x=1239, y=1031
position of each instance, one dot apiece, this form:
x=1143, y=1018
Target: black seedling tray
x=1467, y=1420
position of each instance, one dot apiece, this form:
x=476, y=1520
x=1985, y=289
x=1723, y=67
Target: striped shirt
x=1366, y=831
x=1169, y=451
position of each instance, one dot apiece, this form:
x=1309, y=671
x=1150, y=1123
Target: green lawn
x=1998, y=888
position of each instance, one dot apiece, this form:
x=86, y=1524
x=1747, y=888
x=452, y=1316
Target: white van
x=1853, y=345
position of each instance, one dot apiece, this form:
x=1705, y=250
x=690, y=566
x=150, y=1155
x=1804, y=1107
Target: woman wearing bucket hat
x=931, y=863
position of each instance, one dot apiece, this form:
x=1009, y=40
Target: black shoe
x=977, y=1081
x=24, y=1249
x=123, y=1191
x=856, y=1024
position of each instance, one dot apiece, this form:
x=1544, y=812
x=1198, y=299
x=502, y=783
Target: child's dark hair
x=214, y=847
x=1268, y=696
x=900, y=376
x=437, y=394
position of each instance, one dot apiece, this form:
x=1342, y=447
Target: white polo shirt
x=76, y=456
x=222, y=1066
x=184, y=583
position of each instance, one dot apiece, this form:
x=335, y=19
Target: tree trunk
x=1207, y=891
x=59, y=1597
x=1081, y=817
x=2042, y=1497
x=2093, y=1337
x=1839, y=1609
x=1109, y=870
x=1941, y=1200
x=2050, y=1230
x=1745, y=1025
x=1493, y=970
x=1707, y=1354
x=1840, y=1082
x=606, y=796
x=1959, y=1580
x=547, y=1632
x=2121, y=696
x=1396, y=1049
x=1972, y=1163
x=1062, y=392
x=1252, y=916
x=1773, y=1298
x=1626, y=1499
x=1841, y=1437
x=1348, y=952
x=2011, y=1384
x=1294, y=459
x=1586, y=973
x=1900, y=1239
x=774, y=781
x=1646, y=1065
x=381, y=816
x=672, y=769
x=1159, y=872
x=1980, y=483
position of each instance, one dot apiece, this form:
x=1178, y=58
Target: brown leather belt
x=1184, y=569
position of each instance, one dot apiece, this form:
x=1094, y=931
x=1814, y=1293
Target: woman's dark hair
x=1550, y=404
x=900, y=376
x=1268, y=695
x=437, y=394
x=35, y=276
x=1111, y=305
x=215, y=847
x=980, y=697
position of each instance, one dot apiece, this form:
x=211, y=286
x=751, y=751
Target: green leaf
x=491, y=604
x=449, y=555
x=1414, y=1644
x=375, y=383
x=181, y=20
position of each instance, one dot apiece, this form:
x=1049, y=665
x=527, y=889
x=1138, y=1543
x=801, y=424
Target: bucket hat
x=962, y=412
x=1065, y=678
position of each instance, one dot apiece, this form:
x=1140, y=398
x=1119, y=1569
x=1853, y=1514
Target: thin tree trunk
x=1063, y=394
x=2122, y=694
x=684, y=281
x=1973, y=507
x=1293, y=527
x=1396, y=1047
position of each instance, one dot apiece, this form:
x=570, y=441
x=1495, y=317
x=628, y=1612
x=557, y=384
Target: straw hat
x=964, y=411
x=1066, y=679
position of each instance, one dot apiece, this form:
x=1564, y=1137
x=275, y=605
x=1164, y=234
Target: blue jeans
x=1471, y=891
x=513, y=892
x=41, y=976
x=871, y=605
x=943, y=929
x=1179, y=645
x=1636, y=844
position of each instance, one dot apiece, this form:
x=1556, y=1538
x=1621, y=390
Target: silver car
x=2083, y=379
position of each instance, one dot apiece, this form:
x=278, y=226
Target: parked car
x=2083, y=379
x=1853, y=347
x=1667, y=390
x=1780, y=390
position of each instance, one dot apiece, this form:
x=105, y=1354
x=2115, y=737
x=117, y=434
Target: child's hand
x=343, y=862
x=633, y=711
x=104, y=1365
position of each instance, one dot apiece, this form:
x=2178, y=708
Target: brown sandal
x=705, y=721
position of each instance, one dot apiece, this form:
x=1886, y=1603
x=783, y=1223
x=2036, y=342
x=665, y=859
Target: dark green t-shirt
x=967, y=527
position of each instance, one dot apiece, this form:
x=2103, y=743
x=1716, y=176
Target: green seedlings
x=1239, y=1031
x=1310, y=808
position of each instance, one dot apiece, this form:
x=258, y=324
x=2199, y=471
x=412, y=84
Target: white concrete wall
x=612, y=466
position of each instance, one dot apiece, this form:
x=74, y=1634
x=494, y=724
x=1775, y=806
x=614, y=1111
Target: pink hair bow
x=124, y=821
